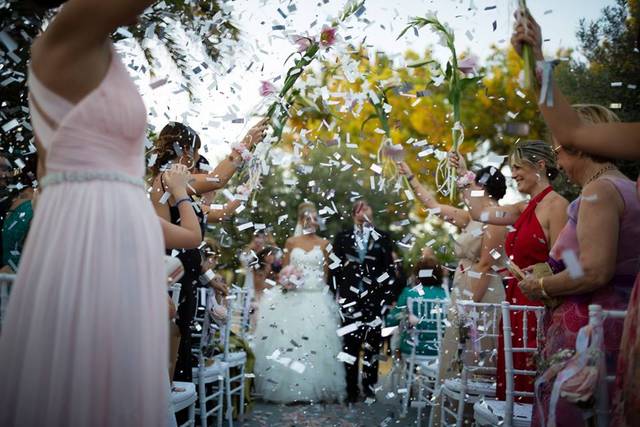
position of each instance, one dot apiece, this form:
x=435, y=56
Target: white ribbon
x=546, y=90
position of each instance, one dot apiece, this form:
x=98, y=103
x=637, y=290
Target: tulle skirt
x=85, y=341
x=296, y=348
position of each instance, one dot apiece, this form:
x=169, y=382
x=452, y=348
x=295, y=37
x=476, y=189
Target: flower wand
x=455, y=74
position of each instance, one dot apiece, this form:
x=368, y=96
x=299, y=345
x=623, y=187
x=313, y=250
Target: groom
x=364, y=284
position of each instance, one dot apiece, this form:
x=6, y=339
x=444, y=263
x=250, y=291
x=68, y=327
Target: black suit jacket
x=376, y=272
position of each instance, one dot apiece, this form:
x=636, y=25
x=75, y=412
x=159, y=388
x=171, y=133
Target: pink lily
x=468, y=64
x=303, y=42
x=267, y=88
x=327, y=36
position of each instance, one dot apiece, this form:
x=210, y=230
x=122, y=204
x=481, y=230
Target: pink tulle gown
x=85, y=339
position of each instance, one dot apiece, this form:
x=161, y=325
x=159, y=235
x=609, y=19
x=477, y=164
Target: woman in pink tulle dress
x=85, y=340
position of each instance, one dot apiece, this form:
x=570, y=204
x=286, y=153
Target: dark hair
x=202, y=162
x=174, y=139
x=262, y=256
x=428, y=264
x=493, y=182
x=357, y=204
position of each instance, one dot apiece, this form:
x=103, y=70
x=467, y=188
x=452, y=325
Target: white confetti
x=572, y=263
x=346, y=358
x=352, y=327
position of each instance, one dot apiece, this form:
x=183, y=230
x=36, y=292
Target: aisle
x=385, y=412
x=334, y=415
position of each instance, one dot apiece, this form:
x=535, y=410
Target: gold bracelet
x=544, y=293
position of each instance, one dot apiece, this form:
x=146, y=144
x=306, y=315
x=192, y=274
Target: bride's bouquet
x=290, y=278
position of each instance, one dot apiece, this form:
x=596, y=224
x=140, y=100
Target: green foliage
x=22, y=23
x=330, y=177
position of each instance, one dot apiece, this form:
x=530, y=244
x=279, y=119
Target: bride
x=296, y=344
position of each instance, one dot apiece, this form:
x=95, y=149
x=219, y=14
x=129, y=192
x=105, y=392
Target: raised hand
x=527, y=31
x=176, y=180
x=457, y=161
x=255, y=134
x=404, y=169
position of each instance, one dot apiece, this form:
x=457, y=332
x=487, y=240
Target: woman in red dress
x=536, y=225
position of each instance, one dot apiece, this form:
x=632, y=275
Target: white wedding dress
x=296, y=344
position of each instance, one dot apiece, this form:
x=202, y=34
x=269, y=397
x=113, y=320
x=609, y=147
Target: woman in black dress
x=178, y=143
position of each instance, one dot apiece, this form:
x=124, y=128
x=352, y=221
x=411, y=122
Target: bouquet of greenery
x=455, y=73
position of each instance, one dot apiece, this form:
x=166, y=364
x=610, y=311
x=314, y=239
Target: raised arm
x=215, y=216
x=493, y=239
x=478, y=209
x=613, y=140
x=73, y=54
x=455, y=216
x=92, y=21
x=220, y=176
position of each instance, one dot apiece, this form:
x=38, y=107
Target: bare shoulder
x=323, y=242
x=291, y=242
x=557, y=202
x=156, y=188
x=603, y=193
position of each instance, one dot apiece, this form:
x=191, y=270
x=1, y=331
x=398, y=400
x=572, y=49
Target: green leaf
x=466, y=83
x=449, y=71
x=420, y=64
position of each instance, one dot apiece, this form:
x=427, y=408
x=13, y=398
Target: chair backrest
x=205, y=328
x=6, y=280
x=597, y=317
x=479, y=331
x=527, y=348
x=432, y=314
x=237, y=316
x=239, y=310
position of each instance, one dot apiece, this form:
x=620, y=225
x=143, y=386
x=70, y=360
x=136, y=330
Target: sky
x=227, y=97
x=229, y=93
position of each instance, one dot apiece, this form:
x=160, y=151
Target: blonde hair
x=531, y=152
x=593, y=114
x=304, y=209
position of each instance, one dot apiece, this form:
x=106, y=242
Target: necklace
x=599, y=174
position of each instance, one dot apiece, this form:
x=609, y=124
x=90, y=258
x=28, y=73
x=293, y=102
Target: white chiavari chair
x=479, y=325
x=509, y=413
x=597, y=316
x=211, y=375
x=423, y=369
x=237, y=322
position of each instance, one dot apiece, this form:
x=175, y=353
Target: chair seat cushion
x=235, y=358
x=429, y=368
x=183, y=399
x=491, y=413
x=474, y=387
x=210, y=373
